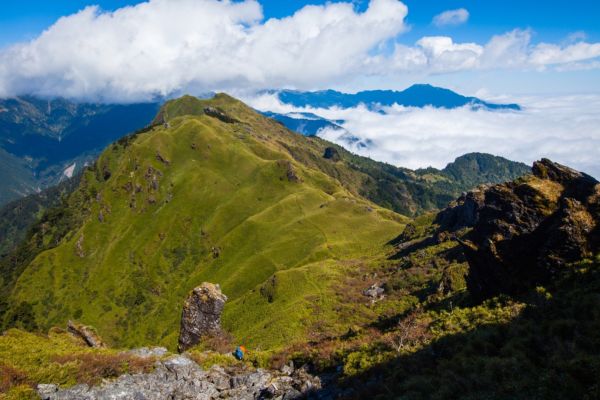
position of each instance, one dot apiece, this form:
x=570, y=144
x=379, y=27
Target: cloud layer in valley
x=565, y=129
x=168, y=47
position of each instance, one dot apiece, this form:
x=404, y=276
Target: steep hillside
x=40, y=139
x=16, y=177
x=219, y=196
x=402, y=320
x=19, y=215
x=528, y=324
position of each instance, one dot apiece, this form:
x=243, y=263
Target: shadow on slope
x=551, y=350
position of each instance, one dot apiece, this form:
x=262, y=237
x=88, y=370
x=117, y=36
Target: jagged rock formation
x=86, y=333
x=201, y=315
x=463, y=212
x=181, y=378
x=529, y=229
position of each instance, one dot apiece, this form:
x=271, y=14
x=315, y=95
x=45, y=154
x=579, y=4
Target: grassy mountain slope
x=199, y=199
x=400, y=189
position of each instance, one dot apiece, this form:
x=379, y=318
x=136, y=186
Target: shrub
x=92, y=368
x=11, y=377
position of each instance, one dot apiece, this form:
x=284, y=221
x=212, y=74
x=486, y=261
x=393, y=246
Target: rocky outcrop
x=290, y=172
x=528, y=230
x=201, y=315
x=219, y=114
x=375, y=292
x=332, y=154
x=462, y=213
x=181, y=378
x=85, y=333
x=162, y=159
x=79, y=251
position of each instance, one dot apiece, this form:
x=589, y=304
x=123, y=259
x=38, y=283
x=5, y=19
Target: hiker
x=239, y=352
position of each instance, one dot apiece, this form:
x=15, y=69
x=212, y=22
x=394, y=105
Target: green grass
x=225, y=187
x=27, y=359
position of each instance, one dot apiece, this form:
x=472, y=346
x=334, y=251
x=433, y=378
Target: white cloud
x=451, y=17
x=165, y=46
x=512, y=50
x=545, y=54
x=168, y=47
x=444, y=55
x=565, y=129
x=577, y=36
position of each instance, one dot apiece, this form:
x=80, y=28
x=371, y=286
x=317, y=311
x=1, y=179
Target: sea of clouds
x=565, y=129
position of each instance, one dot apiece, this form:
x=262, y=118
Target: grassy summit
x=199, y=199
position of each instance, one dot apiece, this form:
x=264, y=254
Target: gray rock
x=145, y=352
x=46, y=390
x=375, y=291
x=201, y=315
x=180, y=378
x=287, y=369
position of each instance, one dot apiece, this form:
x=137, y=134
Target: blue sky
x=497, y=47
x=552, y=20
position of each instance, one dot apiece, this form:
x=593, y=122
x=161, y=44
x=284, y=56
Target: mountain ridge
x=418, y=95
x=234, y=155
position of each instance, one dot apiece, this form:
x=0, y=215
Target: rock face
x=180, y=378
x=86, y=333
x=462, y=213
x=527, y=230
x=201, y=315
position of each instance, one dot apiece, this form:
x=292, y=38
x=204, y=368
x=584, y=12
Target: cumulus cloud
x=451, y=17
x=161, y=47
x=168, y=47
x=512, y=50
x=565, y=129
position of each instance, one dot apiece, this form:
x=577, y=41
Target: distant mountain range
x=309, y=124
x=415, y=96
x=45, y=141
x=42, y=142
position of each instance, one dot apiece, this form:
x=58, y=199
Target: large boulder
x=201, y=315
x=526, y=231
